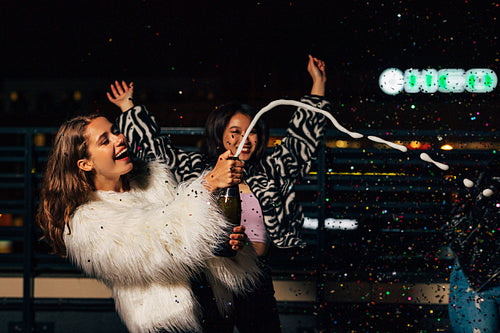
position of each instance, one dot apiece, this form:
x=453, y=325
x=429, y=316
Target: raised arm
x=146, y=142
x=306, y=129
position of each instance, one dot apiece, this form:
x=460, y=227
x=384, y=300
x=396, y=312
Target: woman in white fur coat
x=137, y=230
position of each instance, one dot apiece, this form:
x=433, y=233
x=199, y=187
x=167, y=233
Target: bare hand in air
x=122, y=95
x=317, y=70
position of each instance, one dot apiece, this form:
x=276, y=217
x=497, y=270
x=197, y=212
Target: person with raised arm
x=270, y=212
x=136, y=228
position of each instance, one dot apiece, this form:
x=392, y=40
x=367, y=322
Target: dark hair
x=217, y=122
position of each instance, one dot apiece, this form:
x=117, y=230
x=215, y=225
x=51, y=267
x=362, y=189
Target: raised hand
x=122, y=95
x=317, y=70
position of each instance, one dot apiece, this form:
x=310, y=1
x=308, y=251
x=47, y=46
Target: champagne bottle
x=230, y=205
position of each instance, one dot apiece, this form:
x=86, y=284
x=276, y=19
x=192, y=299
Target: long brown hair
x=65, y=186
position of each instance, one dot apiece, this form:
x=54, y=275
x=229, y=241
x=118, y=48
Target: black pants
x=258, y=311
x=212, y=320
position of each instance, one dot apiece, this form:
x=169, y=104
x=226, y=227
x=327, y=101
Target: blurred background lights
x=415, y=144
x=341, y=143
x=77, y=96
x=14, y=96
x=392, y=81
x=331, y=223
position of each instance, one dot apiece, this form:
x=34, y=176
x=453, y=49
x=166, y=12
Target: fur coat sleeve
x=160, y=231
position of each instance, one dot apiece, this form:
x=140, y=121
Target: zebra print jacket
x=271, y=180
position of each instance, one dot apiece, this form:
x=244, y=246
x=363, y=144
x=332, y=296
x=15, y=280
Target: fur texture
x=145, y=245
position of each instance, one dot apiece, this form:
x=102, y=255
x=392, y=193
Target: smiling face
x=234, y=132
x=108, y=157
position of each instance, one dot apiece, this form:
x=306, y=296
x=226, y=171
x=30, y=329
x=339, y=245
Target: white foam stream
x=423, y=156
x=427, y=158
x=468, y=183
x=390, y=144
x=488, y=192
x=298, y=104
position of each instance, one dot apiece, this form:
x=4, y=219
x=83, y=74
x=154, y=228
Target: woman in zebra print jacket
x=275, y=216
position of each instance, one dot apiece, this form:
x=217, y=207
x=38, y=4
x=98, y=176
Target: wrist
x=127, y=106
x=210, y=183
x=318, y=90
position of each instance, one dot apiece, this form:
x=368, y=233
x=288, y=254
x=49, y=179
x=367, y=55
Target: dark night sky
x=73, y=38
x=257, y=50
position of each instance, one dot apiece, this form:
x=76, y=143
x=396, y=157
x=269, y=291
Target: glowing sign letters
x=392, y=81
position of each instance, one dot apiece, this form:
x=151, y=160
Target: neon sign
x=392, y=81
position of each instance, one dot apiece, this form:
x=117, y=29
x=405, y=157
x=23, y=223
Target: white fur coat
x=145, y=245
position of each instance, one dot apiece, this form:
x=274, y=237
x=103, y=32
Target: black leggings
x=258, y=311
x=254, y=312
x=212, y=320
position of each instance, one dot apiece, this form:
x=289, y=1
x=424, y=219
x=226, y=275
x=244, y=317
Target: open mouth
x=122, y=154
x=246, y=150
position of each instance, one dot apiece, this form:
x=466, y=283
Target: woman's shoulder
x=148, y=174
x=89, y=210
x=79, y=223
x=107, y=210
